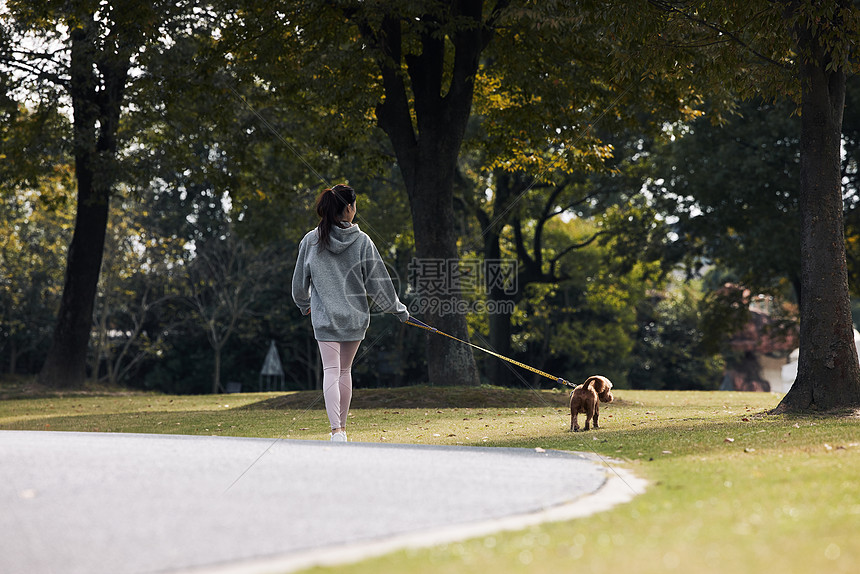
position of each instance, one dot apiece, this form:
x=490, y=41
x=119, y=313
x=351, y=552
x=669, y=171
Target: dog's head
x=603, y=387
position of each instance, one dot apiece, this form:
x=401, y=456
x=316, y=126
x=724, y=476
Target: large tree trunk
x=65, y=365
x=96, y=106
x=428, y=157
x=431, y=201
x=828, y=375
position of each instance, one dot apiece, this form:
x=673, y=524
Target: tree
x=801, y=49
x=439, y=48
x=86, y=55
x=536, y=262
x=225, y=278
x=585, y=322
x=828, y=373
x=98, y=71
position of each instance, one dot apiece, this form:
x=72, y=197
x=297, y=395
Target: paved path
x=122, y=503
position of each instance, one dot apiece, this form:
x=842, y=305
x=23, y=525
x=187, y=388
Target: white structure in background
x=272, y=373
x=789, y=370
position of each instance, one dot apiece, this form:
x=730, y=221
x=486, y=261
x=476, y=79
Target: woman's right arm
x=379, y=286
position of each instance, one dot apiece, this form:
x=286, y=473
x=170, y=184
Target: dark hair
x=330, y=205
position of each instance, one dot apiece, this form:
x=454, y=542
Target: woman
x=338, y=267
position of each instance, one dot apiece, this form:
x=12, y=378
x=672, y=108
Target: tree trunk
x=65, y=365
x=498, y=372
x=828, y=375
x=96, y=107
x=13, y=356
x=428, y=156
x=216, y=373
x=431, y=199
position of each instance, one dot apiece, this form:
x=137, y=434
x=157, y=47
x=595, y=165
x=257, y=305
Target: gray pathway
x=122, y=503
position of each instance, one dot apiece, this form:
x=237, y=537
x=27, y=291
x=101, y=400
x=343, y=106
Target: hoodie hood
x=341, y=238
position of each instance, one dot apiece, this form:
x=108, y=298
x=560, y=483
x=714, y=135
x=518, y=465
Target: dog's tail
x=600, y=385
x=589, y=382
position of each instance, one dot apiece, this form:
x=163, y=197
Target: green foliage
x=733, y=190
x=33, y=239
x=670, y=350
x=138, y=282
x=35, y=226
x=585, y=324
x=236, y=113
x=721, y=49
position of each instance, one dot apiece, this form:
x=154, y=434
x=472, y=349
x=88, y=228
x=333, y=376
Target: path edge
x=620, y=486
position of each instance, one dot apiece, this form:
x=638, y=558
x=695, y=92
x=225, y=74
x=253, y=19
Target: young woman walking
x=337, y=269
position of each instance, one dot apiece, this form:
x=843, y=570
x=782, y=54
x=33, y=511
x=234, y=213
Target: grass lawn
x=732, y=489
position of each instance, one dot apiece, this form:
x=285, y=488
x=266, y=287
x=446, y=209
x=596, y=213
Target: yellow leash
x=416, y=323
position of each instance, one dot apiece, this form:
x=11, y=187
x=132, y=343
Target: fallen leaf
x=827, y=447
x=729, y=440
x=667, y=452
x=539, y=449
x=745, y=419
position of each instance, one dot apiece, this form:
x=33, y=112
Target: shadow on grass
x=423, y=397
x=19, y=387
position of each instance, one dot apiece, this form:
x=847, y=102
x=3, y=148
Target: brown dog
x=585, y=399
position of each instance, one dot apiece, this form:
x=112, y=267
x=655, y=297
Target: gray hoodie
x=335, y=283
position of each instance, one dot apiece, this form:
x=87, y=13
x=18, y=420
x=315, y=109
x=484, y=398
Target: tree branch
x=55, y=79
x=576, y=246
x=669, y=7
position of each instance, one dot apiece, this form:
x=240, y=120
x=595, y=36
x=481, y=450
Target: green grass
x=781, y=495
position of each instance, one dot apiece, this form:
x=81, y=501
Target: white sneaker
x=339, y=436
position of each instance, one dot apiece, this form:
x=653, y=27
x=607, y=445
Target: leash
x=416, y=323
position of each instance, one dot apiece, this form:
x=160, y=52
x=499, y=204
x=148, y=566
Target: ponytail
x=330, y=206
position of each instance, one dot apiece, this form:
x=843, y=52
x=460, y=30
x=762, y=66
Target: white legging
x=337, y=360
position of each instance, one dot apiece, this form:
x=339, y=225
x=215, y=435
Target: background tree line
x=177, y=148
